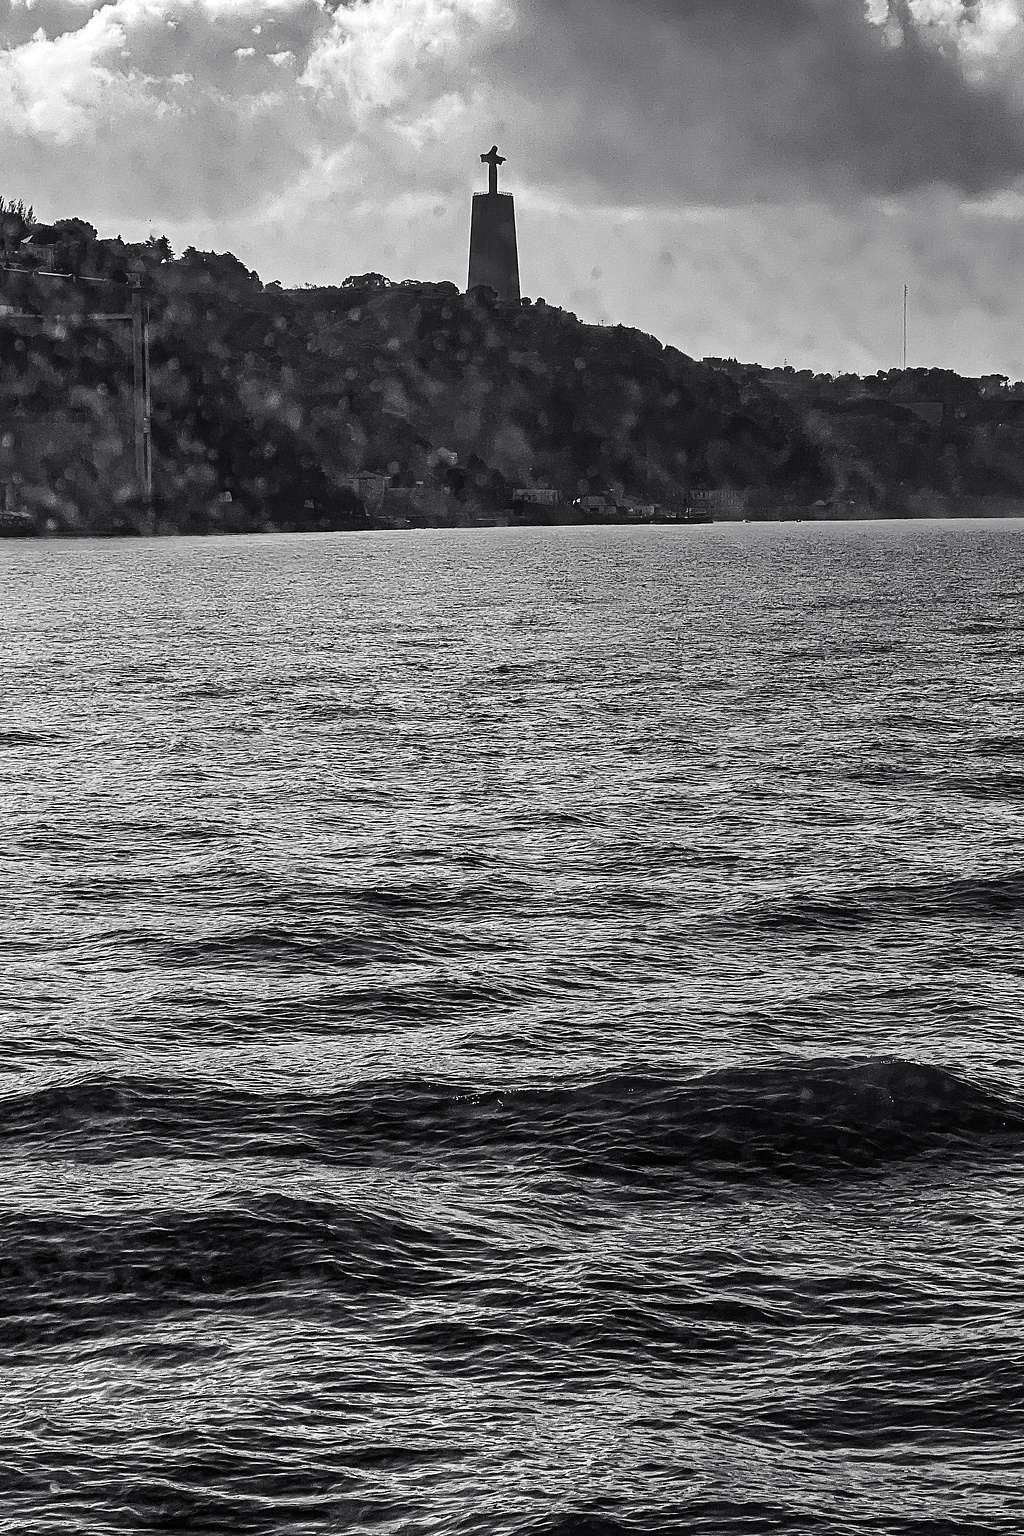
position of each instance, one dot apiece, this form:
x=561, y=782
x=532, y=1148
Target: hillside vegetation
x=269, y=403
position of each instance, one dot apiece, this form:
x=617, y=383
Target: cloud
x=664, y=101
x=58, y=89
x=403, y=55
x=622, y=102
x=155, y=106
x=317, y=141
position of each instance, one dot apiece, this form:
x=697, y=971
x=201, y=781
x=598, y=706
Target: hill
x=376, y=402
x=268, y=404
x=906, y=441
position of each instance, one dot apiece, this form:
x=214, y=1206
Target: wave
x=698, y=1517
x=989, y=786
x=796, y=1117
x=381, y=924
x=29, y=738
x=579, y=1523
x=970, y=897
x=999, y=744
x=981, y=627
x=406, y=927
x=269, y=944
x=59, y=1274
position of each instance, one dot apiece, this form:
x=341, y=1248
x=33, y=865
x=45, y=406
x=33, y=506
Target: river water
x=514, y=1031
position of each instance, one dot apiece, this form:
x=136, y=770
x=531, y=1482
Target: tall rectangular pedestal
x=493, y=256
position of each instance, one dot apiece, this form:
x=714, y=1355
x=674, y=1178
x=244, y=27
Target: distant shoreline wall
x=917, y=509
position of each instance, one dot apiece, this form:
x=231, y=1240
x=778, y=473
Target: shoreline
x=66, y=535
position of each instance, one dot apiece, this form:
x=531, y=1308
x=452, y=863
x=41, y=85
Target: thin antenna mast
x=904, y=327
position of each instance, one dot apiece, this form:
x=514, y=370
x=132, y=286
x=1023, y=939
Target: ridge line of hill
x=377, y=403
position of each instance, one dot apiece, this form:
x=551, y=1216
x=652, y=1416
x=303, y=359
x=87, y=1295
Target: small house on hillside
x=539, y=496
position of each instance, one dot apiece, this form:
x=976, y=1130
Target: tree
x=374, y=281
x=224, y=272
x=159, y=246
x=76, y=228
x=15, y=222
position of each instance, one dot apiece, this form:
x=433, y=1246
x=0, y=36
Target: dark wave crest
x=700, y=1517
x=61, y=1274
x=380, y=926
x=999, y=744
x=29, y=738
x=797, y=1117
x=1008, y=785
x=968, y=897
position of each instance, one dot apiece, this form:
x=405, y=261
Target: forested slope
x=269, y=403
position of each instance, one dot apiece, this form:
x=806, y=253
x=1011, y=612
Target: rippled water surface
x=514, y=1032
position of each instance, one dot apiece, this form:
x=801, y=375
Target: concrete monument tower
x=493, y=257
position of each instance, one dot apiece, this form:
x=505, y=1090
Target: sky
x=742, y=178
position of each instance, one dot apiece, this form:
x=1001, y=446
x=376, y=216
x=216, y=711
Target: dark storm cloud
x=215, y=109
x=725, y=100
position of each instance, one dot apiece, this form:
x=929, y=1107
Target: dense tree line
x=267, y=403
x=900, y=437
